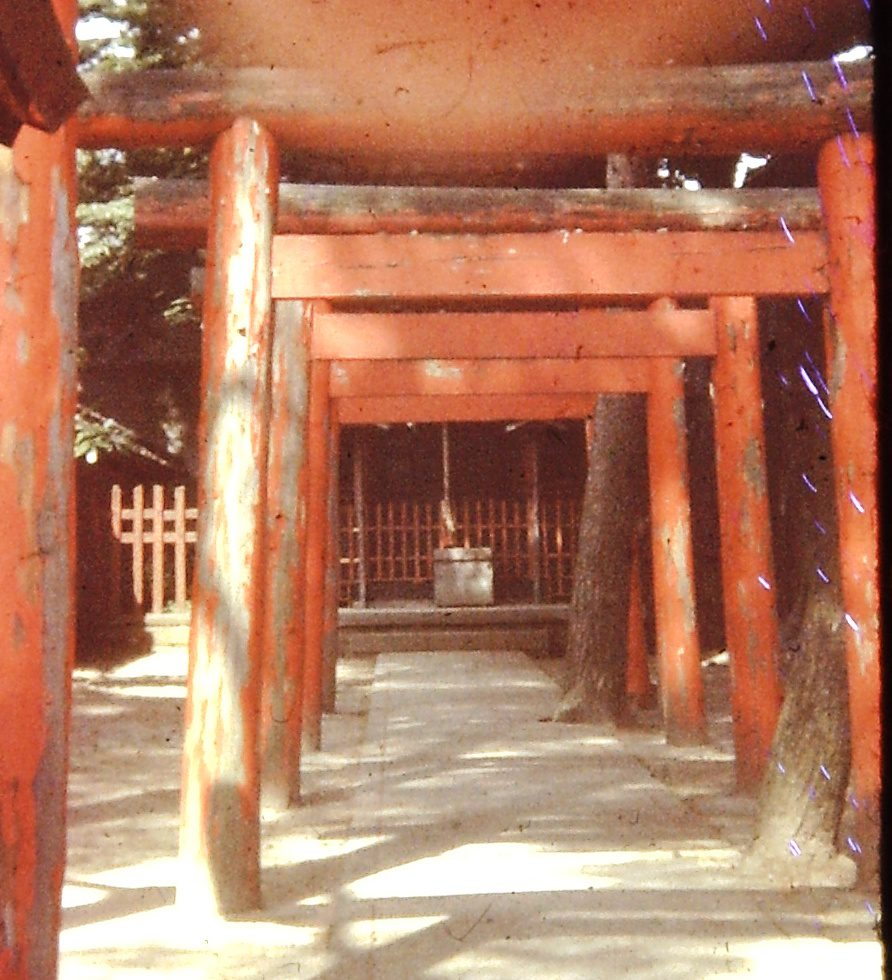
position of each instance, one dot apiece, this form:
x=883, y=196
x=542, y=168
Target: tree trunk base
x=818, y=866
x=579, y=707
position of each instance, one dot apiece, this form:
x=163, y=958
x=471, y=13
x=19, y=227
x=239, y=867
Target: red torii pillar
x=678, y=643
x=317, y=546
x=751, y=627
x=38, y=341
x=332, y=567
x=220, y=817
x=283, y=645
x=846, y=184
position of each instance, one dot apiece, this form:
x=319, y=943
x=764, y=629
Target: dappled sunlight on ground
x=445, y=832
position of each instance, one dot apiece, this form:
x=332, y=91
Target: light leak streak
x=794, y=848
x=808, y=483
x=824, y=771
x=812, y=387
x=786, y=230
x=817, y=372
x=823, y=576
x=854, y=626
x=808, y=85
x=856, y=502
x=852, y=125
x=760, y=29
x=804, y=311
x=820, y=526
x=809, y=18
x=839, y=72
x=854, y=846
x=764, y=583
x=824, y=408
x=842, y=151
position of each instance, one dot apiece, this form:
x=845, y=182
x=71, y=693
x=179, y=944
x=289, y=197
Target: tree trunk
x=802, y=796
x=613, y=509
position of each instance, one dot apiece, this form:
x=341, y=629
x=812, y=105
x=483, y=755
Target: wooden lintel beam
x=553, y=264
x=693, y=110
x=363, y=379
x=472, y=336
x=173, y=214
x=463, y=408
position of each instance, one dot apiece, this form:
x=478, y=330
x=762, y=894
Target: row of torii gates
x=435, y=306
x=308, y=332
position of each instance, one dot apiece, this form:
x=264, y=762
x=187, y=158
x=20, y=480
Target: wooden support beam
x=173, y=214
x=38, y=340
x=678, y=644
x=656, y=111
x=464, y=408
x=575, y=335
x=748, y=582
x=283, y=653
x=332, y=567
x=220, y=819
x=573, y=265
x=317, y=546
x=846, y=179
x=509, y=376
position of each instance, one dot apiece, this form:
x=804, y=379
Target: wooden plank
x=138, y=555
x=463, y=408
x=574, y=265
x=578, y=335
x=846, y=176
x=117, y=546
x=220, y=815
x=179, y=547
x=173, y=214
x=362, y=379
x=658, y=111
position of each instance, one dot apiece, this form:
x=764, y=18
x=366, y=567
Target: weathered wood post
x=332, y=568
x=751, y=628
x=219, y=829
x=317, y=544
x=678, y=645
x=38, y=341
x=534, y=529
x=846, y=183
x=359, y=514
x=283, y=645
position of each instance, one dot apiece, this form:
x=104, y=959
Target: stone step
x=532, y=640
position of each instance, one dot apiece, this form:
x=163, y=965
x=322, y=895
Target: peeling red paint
x=846, y=184
x=678, y=644
x=751, y=627
x=219, y=831
x=38, y=260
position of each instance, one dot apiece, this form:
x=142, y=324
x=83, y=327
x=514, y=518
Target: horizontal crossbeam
x=548, y=264
x=364, y=379
x=461, y=408
x=579, y=334
x=174, y=214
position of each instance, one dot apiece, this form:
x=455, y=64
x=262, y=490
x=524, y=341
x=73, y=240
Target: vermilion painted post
x=846, y=184
x=637, y=675
x=220, y=817
x=678, y=645
x=283, y=645
x=332, y=569
x=317, y=541
x=751, y=628
x=38, y=341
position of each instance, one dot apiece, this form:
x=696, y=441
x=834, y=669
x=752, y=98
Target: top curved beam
x=691, y=110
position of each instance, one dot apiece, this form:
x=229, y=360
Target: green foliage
x=137, y=320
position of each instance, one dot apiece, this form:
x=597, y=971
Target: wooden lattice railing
x=155, y=531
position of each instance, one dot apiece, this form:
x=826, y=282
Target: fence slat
x=157, y=548
x=179, y=546
x=138, y=543
x=115, y=571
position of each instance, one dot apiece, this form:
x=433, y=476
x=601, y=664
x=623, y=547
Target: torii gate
x=342, y=350
x=251, y=269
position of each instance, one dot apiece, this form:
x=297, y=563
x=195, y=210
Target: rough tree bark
x=803, y=793
x=613, y=509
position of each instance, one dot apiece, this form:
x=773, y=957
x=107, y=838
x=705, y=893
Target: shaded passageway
x=446, y=830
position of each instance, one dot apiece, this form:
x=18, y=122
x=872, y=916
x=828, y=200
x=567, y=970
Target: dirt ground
x=529, y=856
